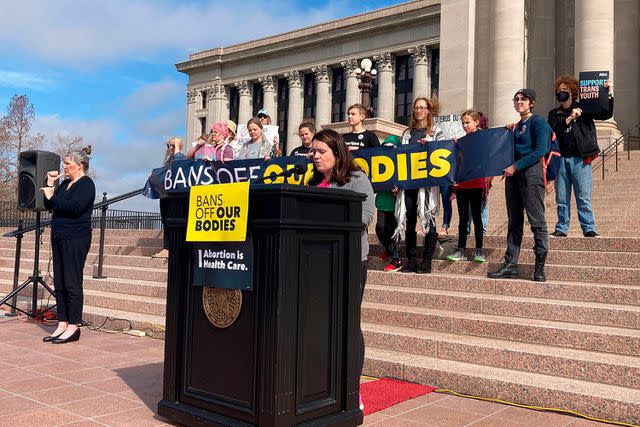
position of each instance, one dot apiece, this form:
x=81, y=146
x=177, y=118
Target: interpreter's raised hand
x=509, y=171
x=48, y=192
x=52, y=176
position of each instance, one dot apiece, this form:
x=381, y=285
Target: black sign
x=594, y=96
x=226, y=265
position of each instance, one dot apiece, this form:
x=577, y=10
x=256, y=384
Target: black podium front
x=291, y=357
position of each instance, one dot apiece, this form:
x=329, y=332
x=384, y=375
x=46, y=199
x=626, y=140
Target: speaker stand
x=34, y=279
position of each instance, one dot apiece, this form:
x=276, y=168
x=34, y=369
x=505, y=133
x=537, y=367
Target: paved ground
x=116, y=380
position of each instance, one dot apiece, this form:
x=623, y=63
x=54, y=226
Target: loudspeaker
x=33, y=166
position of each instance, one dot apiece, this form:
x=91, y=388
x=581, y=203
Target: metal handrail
x=611, y=147
x=103, y=205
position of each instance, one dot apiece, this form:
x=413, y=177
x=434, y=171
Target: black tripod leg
x=15, y=292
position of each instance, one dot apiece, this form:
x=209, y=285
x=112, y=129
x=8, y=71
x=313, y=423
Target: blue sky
x=105, y=70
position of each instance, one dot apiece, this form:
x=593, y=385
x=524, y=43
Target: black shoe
x=410, y=267
x=74, y=337
x=538, y=270
x=558, y=233
x=50, y=338
x=425, y=267
x=591, y=234
x=506, y=270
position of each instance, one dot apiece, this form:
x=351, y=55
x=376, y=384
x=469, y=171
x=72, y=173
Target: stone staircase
x=571, y=343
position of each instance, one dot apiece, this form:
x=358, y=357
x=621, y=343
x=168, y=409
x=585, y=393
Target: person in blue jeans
x=576, y=133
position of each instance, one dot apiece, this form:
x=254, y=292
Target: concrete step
x=551, y=289
x=550, y=360
x=622, y=316
x=28, y=249
x=111, y=271
x=595, y=274
x=133, y=303
x=586, y=337
x=603, y=401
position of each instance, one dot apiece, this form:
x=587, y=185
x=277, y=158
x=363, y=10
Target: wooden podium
x=291, y=357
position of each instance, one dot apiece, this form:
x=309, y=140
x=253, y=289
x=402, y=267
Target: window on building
x=203, y=95
x=338, y=95
x=283, y=111
x=203, y=125
x=435, y=71
x=309, y=95
x=234, y=104
x=404, y=89
x=257, y=99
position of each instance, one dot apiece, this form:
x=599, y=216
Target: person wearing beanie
x=386, y=221
x=524, y=187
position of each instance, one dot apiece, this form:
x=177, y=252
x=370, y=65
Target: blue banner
x=480, y=154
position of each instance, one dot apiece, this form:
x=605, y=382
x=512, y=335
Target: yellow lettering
x=273, y=169
x=401, y=160
x=441, y=165
x=419, y=165
x=362, y=164
x=378, y=175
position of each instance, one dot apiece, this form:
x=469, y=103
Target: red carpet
x=380, y=394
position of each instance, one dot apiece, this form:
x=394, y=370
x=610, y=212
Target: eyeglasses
x=262, y=116
x=420, y=108
x=519, y=99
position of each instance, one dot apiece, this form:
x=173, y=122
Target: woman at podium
x=333, y=167
x=72, y=203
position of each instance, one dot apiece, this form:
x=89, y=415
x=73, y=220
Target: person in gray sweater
x=333, y=167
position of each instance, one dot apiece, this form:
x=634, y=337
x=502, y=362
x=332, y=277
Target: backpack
x=551, y=161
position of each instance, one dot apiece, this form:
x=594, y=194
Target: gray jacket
x=360, y=183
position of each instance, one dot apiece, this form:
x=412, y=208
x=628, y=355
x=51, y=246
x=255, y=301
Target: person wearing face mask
x=524, y=188
x=576, y=133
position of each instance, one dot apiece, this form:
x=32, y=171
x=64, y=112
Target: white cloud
x=25, y=80
x=89, y=33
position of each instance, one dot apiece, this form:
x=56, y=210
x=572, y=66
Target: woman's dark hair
x=255, y=121
x=479, y=116
x=570, y=81
x=344, y=166
x=308, y=123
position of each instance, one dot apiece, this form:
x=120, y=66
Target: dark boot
x=412, y=255
x=430, y=242
x=506, y=271
x=410, y=267
x=538, y=270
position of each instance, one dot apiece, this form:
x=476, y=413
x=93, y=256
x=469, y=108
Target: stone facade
x=477, y=52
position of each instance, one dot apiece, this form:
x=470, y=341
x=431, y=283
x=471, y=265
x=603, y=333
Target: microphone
x=296, y=169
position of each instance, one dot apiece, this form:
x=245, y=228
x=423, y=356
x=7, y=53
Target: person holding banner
x=386, y=220
x=257, y=147
x=576, y=133
x=306, y=130
x=216, y=148
x=469, y=196
x=420, y=203
x=524, y=188
x=333, y=167
x=265, y=119
x=359, y=137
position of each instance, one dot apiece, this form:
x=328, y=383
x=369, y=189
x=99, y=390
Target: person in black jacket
x=72, y=204
x=576, y=133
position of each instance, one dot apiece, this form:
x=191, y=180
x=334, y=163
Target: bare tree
x=15, y=136
x=62, y=145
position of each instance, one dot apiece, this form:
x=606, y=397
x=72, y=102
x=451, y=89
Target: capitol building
x=471, y=53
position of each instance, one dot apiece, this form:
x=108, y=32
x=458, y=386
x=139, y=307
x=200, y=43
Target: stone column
x=323, y=94
x=457, y=54
x=507, y=63
x=294, y=118
x=192, y=120
x=353, y=93
x=217, y=103
x=594, y=50
x=541, y=53
x=384, y=62
x=421, y=71
x=269, y=91
x=627, y=63
x=244, y=107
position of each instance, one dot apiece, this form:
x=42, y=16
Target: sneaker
x=478, y=255
x=384, y=256
x=558, y=233
x=394, y=265
x=458, y=255
x=591, y=234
